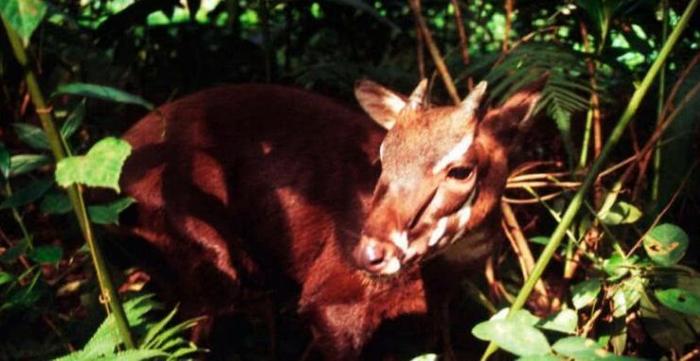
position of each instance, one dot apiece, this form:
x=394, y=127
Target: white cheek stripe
x=438, y=232
x=454, y=154
x=466, y=212
x=393, y=266
x=400, y=239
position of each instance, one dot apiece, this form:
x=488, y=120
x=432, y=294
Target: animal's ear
x=384, y=105
x=515, y=114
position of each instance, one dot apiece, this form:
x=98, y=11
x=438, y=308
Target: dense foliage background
x=625, y=275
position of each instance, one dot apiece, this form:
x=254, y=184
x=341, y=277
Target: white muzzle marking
x=438, y=232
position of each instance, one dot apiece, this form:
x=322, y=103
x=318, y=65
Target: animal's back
x=248, y=182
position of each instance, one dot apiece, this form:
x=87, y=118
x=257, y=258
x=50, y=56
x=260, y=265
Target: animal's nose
x=377, y=257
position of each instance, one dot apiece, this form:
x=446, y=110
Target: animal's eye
x=460, y=173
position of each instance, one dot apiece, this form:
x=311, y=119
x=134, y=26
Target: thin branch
x=434, y=51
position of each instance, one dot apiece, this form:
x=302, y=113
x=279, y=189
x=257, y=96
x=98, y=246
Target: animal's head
x=443, y=171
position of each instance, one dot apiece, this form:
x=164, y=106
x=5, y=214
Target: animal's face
x=434, y=185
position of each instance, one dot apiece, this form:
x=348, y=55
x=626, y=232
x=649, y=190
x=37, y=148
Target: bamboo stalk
x=596, y=167
x=107, y=289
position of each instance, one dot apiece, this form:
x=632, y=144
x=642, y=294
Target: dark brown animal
x=258, y=187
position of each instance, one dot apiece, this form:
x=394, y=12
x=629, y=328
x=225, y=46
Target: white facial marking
x=454, y=154
x=393, y=266
x=438, y=232
x=381, y=151
x=466, y=212
x=400, y=239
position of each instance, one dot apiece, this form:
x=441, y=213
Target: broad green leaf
x=102, y=92
x=55, y=203
x=426, y=357
x=564, y=321
x=73, y=121
x=46, y=254
x=6, y=278
x=670, y=329
x=32, y=135
x=580, y=348
x=13, y=253
x=584, y=293
x=520, y=316
x=541, y=358
x=4, y=161
x=100, y=167
x=679, y=300
x=666, y=244
x=23, y=15
x=620, y=306
x=109, y=213
x=25, y=163
x=621, y=213
x=513, y=336
x=543, y=240
x=28, y=194
x=618, y=266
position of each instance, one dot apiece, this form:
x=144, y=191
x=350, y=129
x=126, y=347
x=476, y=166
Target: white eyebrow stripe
x=455, y=153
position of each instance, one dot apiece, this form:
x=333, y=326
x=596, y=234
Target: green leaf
x=618, y=266
x=100, y=167
x=564, y=321
x=679, y=300
x=580, y=348
x=32, y=135
x=46, y=254
x=513, y=336
x=6, y=278
x=426, y=357
x=109, y=213
x=25, y=163
x=520, y=316
x=4, y=161
x=670, y=329
x=584, y=293
x=543, y=240
x=13, y=253
x=102, y=92
x=540, y=358
x=23, y=15
x=73, y=121
x=55, y=203
x=666, y=244
x=28, y=194
x=620, y=213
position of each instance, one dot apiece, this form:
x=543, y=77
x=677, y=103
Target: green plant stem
x=18, y=218
x=108, y=291
x=660, y=107
x=577, y=201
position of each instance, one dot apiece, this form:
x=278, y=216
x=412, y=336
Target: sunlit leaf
x=621, y=213
x=584, y=293
x=666, y=244
x=580, y=348
x=426, y=357
x=102, y=92
x=32, y=135
x=564, y=321
x=543, y=240
x=6, y=278
x=513, y=336
x=23, y=15
x=679, y=300
x=100, y=167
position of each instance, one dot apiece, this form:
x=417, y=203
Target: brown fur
x=250, y=187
